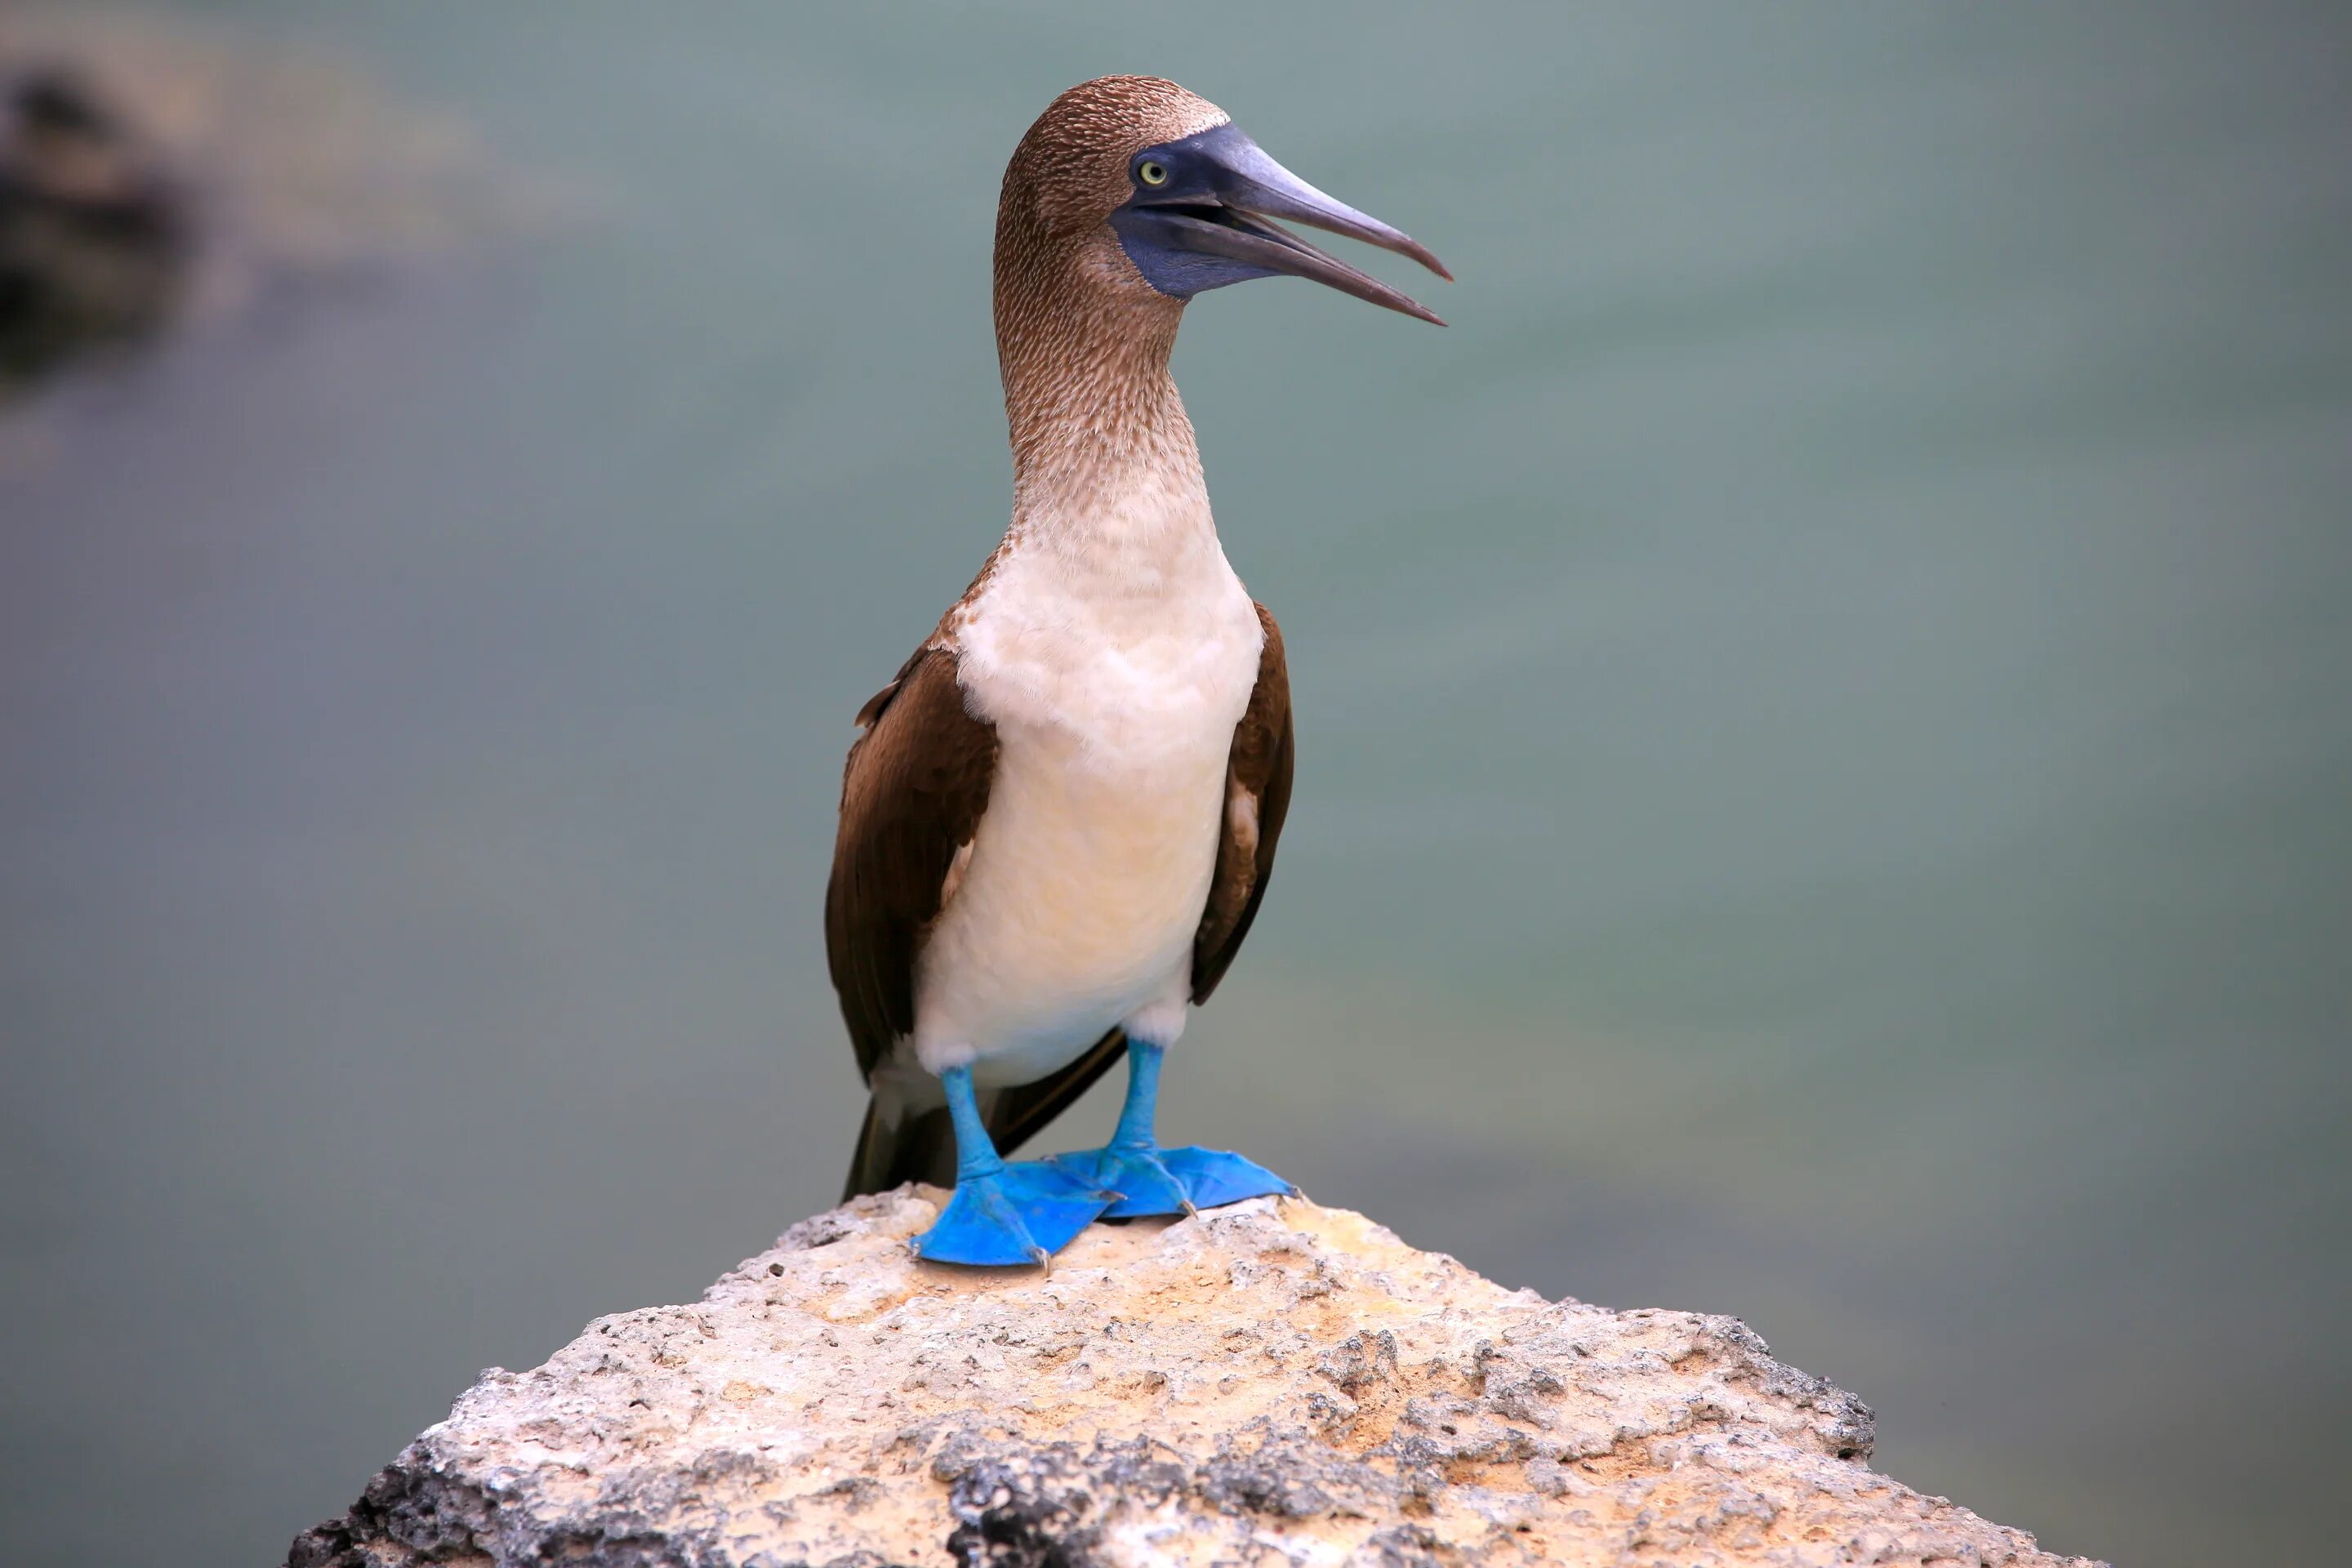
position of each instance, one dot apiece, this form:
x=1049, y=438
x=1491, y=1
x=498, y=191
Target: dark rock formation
x=94, y=234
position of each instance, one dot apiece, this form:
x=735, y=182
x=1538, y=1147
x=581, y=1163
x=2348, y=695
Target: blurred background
x=1825, y=698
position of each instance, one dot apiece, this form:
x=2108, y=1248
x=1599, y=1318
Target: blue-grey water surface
x=1825, y=709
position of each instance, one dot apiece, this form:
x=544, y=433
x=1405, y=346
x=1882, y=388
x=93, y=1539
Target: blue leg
x=1152, y=1180
x=1023, y=1212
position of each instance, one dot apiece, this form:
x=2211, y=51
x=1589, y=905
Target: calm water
x=1826, y=774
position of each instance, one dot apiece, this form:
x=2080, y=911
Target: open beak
x=1220, y=206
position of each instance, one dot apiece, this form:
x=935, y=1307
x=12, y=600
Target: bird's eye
x=1152, y=172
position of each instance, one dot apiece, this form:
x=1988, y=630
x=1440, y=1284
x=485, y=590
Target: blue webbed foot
x=1151, y=1180
x=1019, y=1213
x=1212, y=1177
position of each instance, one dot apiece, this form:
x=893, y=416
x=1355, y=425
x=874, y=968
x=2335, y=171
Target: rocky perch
x=1270, y=1382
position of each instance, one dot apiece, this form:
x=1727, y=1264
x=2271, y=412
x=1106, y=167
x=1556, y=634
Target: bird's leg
x=1153, y=1180
x=1003, y=1211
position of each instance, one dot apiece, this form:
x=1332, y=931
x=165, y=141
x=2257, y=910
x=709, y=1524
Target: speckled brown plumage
x=1082, y=341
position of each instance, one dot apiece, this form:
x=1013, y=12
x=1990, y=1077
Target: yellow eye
x=1152, y=172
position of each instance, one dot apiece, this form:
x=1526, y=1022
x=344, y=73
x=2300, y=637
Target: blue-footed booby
x=1058, y=820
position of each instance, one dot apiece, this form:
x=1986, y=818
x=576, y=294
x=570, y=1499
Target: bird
x=1058, y=821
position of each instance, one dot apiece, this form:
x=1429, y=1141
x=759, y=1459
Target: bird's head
x=1139, y=193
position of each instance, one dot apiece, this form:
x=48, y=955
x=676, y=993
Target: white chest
x=1115, y=693
x=1124, y=683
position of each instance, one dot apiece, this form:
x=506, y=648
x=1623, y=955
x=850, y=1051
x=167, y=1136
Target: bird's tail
x=900, y=1143
x=908, y=1135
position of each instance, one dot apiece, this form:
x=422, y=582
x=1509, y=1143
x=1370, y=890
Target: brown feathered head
x=1131, y=188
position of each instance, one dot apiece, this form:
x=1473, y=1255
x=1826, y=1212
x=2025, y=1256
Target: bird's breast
x=1093, y=860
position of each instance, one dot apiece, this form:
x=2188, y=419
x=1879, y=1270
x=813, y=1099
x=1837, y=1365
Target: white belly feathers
x=1115, y=713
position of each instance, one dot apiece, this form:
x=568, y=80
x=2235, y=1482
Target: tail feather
x=898, y=1144
x=902, y=1143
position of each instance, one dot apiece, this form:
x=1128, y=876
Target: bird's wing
x=1257, y=797
x=911, y=798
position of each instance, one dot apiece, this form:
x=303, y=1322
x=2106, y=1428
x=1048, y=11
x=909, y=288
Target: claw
x=1044, y=1259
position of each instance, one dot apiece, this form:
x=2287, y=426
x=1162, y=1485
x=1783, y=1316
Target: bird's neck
x=1105, y=467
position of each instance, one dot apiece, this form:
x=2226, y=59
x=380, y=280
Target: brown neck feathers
x=1088, y=394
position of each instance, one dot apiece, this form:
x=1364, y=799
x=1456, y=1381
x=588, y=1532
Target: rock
x=94, y=234
x=1273, y=1381
x=159, y=170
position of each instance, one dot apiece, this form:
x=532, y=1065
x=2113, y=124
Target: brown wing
x=1257, y=797
x=911, y=796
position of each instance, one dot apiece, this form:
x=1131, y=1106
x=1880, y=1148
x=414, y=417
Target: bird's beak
x=1219, y=206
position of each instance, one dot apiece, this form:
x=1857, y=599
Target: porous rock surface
x=1272, y=1382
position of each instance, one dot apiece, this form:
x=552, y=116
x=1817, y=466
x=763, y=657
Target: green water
x=1825, y=788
